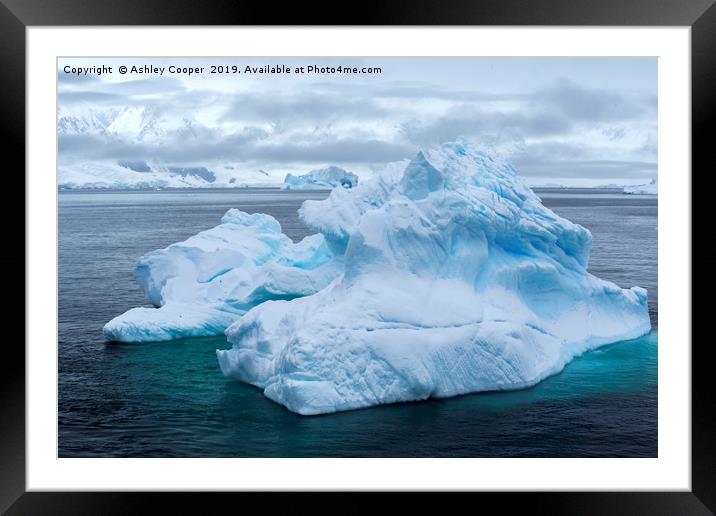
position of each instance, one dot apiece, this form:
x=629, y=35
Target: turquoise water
x=170, y=399
x=180, y=406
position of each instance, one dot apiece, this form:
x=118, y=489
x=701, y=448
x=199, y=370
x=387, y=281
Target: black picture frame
x=17, y=15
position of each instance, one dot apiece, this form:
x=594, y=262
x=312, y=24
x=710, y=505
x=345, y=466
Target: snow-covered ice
x=207, y=282
x=455, y=279
x=127, y=175
x=322, y=179
x=651, y=188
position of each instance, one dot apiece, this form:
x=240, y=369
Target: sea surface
x=171, y=400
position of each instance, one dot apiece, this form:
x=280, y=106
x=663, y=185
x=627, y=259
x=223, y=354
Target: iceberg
x=207, y=282
x=454, y=279
x=322, y=179
x=651, y=188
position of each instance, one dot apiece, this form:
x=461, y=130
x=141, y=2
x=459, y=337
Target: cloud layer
x=558, y=129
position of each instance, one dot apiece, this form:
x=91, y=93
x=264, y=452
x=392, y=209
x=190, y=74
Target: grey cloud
x=428, y=92
x=95, y=97
x=469, y=121
x=90, y=84
x=557, y=150
x=552, y=151
x=560, y=110
x=145, y=86
x=190, y=145
x=572, y=160
x=414, y=90
x=583, y=104
x=73, y=78
x=247, y=145
x=338, y=150
x=300, y=107
x=597, y=169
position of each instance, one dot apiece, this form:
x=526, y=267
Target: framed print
x=390, y=253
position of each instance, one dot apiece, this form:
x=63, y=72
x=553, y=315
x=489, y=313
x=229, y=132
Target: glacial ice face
x=651, y=188
x=456, y=279
x=205, y=283
x=322, y=179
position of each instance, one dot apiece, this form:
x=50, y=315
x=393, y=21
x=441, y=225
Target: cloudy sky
x=584, y=121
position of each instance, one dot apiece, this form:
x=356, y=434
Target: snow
x=207, y=282
x=142, y=175
x=321, y=179
x=98, y=175
x=151, y=131
x=454, y=278
x=143, y=127
x=652, y=188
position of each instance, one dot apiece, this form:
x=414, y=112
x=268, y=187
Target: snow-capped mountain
x=98, y=132
x=131, y=123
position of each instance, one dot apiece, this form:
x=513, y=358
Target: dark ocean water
x=171, y=400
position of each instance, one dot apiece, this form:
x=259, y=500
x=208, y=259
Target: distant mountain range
x=88, y=136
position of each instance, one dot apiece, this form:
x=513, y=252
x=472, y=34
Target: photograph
x=378, y=257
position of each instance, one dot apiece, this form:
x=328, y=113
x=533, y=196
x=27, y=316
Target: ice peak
x=324, y=178
x=420, y=178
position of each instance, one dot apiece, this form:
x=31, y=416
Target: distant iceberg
x=322, y=179
x=454, y=279
x=650, y=188
x=207, y=282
